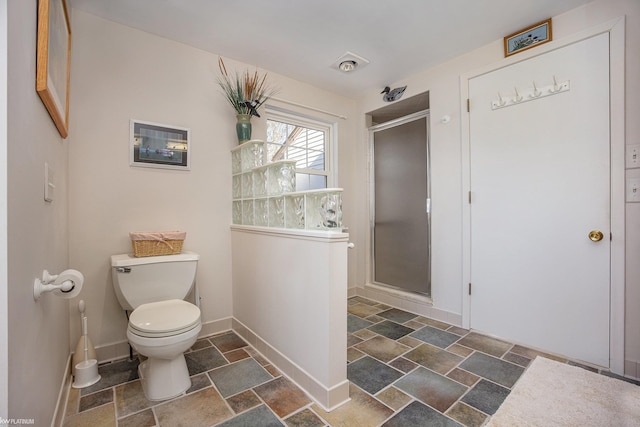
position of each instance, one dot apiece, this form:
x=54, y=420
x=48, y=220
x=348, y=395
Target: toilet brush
x=87, y=370
x=78, y=355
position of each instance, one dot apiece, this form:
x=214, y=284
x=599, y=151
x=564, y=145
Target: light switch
x=633, y=189
x=48, y=183
x=633, y=156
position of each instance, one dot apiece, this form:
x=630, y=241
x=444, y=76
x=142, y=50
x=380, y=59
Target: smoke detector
x=349, y=62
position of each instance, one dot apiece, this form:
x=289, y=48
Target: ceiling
x=302, y=39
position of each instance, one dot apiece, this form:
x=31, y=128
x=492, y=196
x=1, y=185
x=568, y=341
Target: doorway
x=540, y=202
x=401, y=204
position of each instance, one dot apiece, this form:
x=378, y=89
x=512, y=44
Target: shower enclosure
x=401, y=204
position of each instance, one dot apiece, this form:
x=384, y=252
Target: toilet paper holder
x=66, y=284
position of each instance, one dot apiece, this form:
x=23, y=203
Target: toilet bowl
x=163, y=331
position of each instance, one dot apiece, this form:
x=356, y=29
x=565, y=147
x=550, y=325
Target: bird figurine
x=252, y=106
x=392, y=95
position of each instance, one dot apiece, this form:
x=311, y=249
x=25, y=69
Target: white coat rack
x=529, y=94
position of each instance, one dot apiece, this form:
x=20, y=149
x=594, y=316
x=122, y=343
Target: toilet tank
x=142, y=280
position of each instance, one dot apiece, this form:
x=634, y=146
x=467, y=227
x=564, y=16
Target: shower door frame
x=424, y=114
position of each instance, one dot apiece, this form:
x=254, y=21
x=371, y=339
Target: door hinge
x=611, y=237
x=469, y=197
x=468, y=106
x=469, y=288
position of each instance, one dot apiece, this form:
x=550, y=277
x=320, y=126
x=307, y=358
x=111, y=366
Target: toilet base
x=164, y=379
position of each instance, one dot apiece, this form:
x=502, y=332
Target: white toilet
x=162, y=326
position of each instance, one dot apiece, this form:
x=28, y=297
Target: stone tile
x=198, y=382
x=434, y=358
x=413, y=325
x=272, y=370
x=486, y=396
x=200, y=344
x=432, y=322
x=72, y=401
x=202, y=408
x=485, y=344
x=393, y=398
x=282, y=396
x=235, y=355
x=466, y=415
x=130, y=398
x=458, y=331
x=355, y=323
x=459, y=350
x=260, y=416
x=243, y=401
x=362, y=300
x=409, y=341
x=362, y=411
x=363, y=310
x=435, y=336
x=365, y=334
x=304, y=418
x=580, y=365
x=383, y=306
x=403, y=364
x=532, y=354
x=382, y=348
x=417, y=414
x=390, y=329
x=517, y=359
x=397, y=315
x=463, y=377
x=113, y=374
x=204, y=360
x=371, y=375
x=98, y=398
x=239, y=376
x=257, y=356
x=433, y=389
x=496, y=370
x=353, y=340
x=375, y=318
x=102, y=416
x=227, y=342
x=353, y=354
x=141, y=419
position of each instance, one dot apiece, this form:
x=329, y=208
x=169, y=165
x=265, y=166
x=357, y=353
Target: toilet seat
x=164, y=318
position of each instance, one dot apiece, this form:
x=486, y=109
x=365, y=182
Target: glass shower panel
x=401, y=227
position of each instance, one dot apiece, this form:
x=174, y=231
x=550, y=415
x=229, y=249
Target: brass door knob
x=596, y=235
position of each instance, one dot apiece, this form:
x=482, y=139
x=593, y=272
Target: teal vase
x=243, y=127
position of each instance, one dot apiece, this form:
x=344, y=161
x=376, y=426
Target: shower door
x=401, y=204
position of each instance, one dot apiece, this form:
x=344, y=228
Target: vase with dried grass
x=246, y=93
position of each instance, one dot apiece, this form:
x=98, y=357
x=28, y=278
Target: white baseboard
x=63, y=396
x=414, y=303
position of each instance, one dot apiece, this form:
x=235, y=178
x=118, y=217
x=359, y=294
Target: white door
x=540, y=183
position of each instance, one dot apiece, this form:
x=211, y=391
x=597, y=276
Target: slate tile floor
x=404, y=370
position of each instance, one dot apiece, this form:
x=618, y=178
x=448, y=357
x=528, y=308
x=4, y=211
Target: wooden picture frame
x=527, y=38
x=53, y=61
x=154, y=145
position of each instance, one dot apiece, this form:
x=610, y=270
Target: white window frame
x=330, y=131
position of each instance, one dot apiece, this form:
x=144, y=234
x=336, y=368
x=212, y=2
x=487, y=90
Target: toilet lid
x=164, y=317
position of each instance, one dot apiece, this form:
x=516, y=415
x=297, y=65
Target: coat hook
x=518, y=97
x=555, y=86
x=536, y=92
x=501, y=101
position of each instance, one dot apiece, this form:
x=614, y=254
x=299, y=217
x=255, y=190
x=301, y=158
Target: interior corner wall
x=443, y=84
x=118, y=74
x=38, y=331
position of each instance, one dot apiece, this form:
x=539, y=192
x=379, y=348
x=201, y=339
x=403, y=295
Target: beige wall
x=37, y=232
x=443, y=84
x=119, y=74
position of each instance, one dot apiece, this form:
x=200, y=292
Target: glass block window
x=307, y=142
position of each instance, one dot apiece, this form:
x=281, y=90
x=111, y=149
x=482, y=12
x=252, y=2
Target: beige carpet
x=550, y=393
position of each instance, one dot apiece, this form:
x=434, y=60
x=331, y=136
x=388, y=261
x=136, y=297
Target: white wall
x=443, y=85
x=119, y=73
x=37, y=232
x=4, y=325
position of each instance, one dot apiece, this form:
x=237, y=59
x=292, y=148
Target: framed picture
x=159, y=146
x=53, y=60
x=527, y=38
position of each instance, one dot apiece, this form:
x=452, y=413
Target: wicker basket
x=157, y=243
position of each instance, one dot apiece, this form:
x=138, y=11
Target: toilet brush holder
x=86, y=374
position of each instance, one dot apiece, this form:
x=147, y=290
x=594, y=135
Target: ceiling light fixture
x=348, y=66
x=349, y=62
